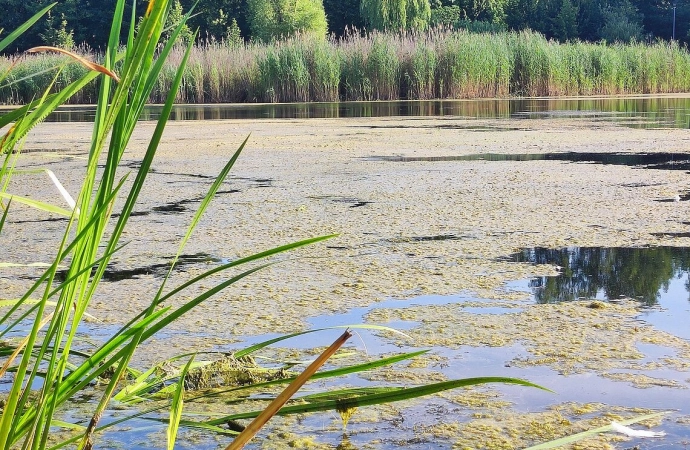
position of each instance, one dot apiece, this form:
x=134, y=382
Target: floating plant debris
x=606, y=273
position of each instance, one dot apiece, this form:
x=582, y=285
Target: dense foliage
x=85, y=21
x=274, y=19
x=395, y=15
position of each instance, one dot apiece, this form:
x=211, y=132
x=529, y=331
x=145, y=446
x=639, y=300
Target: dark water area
x=657, y=277
x=661, y=161
x=646, y=112
x=643, y=274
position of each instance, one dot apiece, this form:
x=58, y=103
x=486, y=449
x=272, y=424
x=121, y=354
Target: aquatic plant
x=48, y=368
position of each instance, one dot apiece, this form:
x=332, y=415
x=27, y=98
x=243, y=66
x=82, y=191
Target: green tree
x=57, y=35
x=175, y=16
x=589, y=19
x=342, y=14
x=445, y=15
x=622, y=22
x=493, y=11
x=273, y=19
x=396, y=14
x=565, y=23
x=214, y=18
x=520, y=14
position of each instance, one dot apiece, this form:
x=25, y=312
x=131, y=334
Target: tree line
x=86, y=22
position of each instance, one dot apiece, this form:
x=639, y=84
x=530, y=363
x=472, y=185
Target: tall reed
x=440, y=63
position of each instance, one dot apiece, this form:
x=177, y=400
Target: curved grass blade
x=586, y=434
x=6, y=209
x=379, y=398
x=268, y=342
x=43, y=206
x=78, y=58
x=4, y=265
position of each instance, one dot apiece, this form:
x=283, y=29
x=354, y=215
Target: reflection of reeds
x=386, y=66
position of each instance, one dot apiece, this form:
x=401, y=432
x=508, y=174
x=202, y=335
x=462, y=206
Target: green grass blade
x=6, y=210
x=176, y=407
x=389, y=396
x=268, y=342
x=586, y=434
x=208, y=197
x=42, y=206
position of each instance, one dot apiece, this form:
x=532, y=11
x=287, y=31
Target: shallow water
x=660, y=310
x=658, y=277
x=645, y=112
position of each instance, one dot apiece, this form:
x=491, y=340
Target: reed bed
x=386, y=66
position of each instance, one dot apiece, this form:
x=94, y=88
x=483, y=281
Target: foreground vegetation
x=439, y=64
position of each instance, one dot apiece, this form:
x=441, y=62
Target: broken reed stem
x=271, y=410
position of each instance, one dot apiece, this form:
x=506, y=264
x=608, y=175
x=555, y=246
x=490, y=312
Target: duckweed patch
x=494, y=210
x=230, y=371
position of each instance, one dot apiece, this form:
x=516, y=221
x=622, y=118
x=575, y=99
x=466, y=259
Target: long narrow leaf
x=43, y=206
x=176, y=407
x=379, y=398
x=586, y=434
x=78, y=58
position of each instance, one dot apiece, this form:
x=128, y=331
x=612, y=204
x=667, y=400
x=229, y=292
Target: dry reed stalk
x=250, y=431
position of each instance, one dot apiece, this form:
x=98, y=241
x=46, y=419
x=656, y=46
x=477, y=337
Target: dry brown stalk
x=271, y=410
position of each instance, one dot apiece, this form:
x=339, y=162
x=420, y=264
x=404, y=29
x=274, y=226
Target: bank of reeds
x=439, y=64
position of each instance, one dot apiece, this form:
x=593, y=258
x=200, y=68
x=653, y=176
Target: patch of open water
x=660, y=161
x=657, y=277
x=636, y=112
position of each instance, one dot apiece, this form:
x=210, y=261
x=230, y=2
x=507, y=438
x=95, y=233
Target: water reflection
x=607, y=273
x=634, y=112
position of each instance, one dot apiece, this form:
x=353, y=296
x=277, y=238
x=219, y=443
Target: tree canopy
x=87, y=21
x=272, y=19
x=396, y=15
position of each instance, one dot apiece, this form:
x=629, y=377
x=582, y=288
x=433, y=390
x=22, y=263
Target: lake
x=538, y=239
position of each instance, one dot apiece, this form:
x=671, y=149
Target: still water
x=646, y=112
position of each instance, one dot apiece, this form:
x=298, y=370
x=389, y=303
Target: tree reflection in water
x=607, y=273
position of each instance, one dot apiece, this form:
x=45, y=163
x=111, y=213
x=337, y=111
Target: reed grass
x=440, y=63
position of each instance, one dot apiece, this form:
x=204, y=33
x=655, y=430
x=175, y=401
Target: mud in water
x=404, y=230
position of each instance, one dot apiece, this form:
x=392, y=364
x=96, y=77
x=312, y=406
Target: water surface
x=638, y=112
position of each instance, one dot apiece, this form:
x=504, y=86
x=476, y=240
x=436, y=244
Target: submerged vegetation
x=386, y=66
